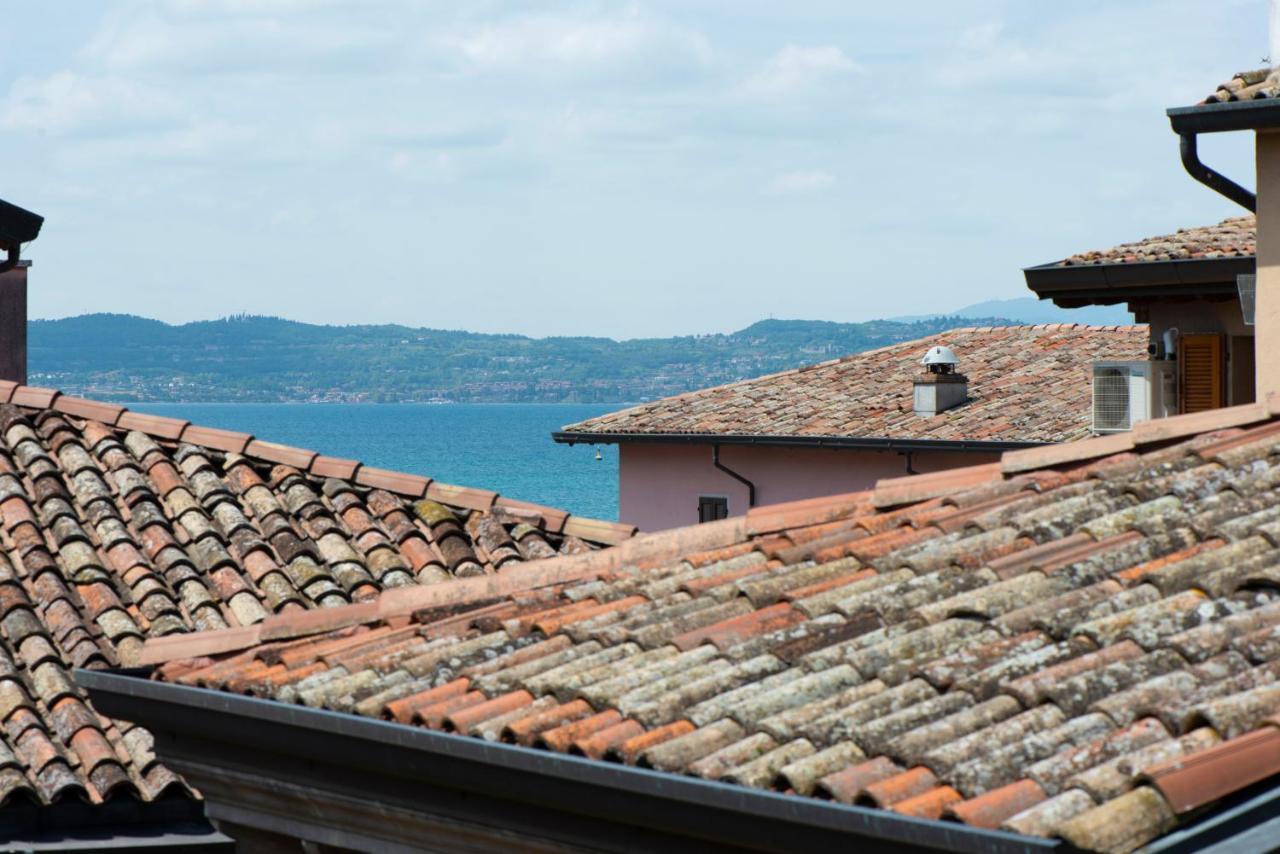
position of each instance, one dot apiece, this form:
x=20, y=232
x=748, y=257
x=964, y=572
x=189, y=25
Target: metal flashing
x=569, y=437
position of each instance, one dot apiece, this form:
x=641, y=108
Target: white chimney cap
x=940, y=356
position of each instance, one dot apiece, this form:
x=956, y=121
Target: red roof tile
x=1231, y=238
x=1026, y=384
x=211, y=437
x=1023, y=670
x=121, y=526
x=1190, y=782
x=1247, y=86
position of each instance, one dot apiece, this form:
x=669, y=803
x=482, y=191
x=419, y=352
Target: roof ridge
x=310, y=462
x=644, y=549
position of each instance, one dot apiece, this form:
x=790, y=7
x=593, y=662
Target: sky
x=631, y=169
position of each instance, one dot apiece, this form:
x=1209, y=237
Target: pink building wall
x=659, y=485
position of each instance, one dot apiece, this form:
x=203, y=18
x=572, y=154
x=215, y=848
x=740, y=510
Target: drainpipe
x=1215, y=181
x=908, y=455
x=751, y=487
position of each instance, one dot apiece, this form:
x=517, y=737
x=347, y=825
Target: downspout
x=1215, y=181
x=908, y=455
x=751, y=487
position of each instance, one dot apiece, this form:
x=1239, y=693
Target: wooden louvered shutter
x=1200, y=370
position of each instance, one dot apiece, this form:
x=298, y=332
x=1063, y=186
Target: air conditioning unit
x=1125, y=393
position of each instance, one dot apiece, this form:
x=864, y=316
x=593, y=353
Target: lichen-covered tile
x=1002, y=765
x=801, y=775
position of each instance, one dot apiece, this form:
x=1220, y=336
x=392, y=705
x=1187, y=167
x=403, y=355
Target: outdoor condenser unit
x=1125, y=393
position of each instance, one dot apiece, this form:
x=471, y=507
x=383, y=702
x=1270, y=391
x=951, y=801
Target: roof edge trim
x=574, y=437
x=359, y=750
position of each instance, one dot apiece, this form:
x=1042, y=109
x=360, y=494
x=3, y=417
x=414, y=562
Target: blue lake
x=503, y=447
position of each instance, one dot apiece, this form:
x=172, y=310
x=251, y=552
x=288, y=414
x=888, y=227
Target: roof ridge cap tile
x=402, y=602
x=895, y=491
x=1191, y=781
x=1047, y=456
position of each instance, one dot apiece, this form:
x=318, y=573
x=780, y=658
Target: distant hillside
x=1032, y=310
x=264, y=359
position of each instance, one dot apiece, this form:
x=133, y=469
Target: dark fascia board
x=393, y=766
x=1121, y=281
x=1257, y=114
x=572, y=437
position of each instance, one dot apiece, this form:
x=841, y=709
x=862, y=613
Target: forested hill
x=264, y=359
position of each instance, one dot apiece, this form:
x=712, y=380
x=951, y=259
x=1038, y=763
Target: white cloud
x=800, y=183
x=580, y=43
x=69, y=102
x=796, y=69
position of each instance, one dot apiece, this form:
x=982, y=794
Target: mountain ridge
x=251, y=358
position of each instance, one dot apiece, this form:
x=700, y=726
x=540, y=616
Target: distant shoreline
x=124, y=401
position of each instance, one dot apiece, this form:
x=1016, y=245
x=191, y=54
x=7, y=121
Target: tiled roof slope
x=1247, y=86
x=1236, y=237
x=1071, y=642
x=118, y=526
x=1026, y=384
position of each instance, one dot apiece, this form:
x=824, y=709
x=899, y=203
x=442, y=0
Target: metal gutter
x=751, y=487
x=1233, y=115
x=1120, y=282
x=243, y=751
x=570, y=437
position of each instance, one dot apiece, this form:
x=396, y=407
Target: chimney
x=17, y=226
x=13, y=323
x=939, y=388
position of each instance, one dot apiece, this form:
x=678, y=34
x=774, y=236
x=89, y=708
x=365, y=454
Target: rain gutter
x=345, y=780
x=571, y=437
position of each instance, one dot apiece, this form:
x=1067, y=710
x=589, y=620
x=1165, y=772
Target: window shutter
x=1200, y=369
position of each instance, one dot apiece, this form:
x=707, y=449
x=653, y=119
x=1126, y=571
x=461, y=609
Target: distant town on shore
x=252, y=359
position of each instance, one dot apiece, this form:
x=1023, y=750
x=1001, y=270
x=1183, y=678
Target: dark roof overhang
x=1257, y=114
x=573, y=437
x=350, y=781
x=172, y=823
x=1107, y=284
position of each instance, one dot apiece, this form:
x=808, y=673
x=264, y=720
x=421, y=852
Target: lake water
x=503, y=447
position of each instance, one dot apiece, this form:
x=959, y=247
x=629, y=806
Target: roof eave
x=338, y=779
x=1107, y=284
x=575, y=437
x=1258, y=114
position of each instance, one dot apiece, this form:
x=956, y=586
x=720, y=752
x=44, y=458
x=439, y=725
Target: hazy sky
x=621, y=169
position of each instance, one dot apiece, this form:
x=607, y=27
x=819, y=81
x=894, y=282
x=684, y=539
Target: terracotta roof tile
x=1247, y=86
x=892, y=492
x=1098, y=447
x=324, y=466
x=94, y=410
x=1022, y=670
x=223, y=440
x=121, y=526
x=1189, y=782
x=1231, y=238
x=1026, y=384
x=271, y=452
x=402, y=484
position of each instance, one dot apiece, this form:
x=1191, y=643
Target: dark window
x=711, y=508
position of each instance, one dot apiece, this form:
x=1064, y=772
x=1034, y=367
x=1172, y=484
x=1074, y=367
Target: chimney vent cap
x=940, y=360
